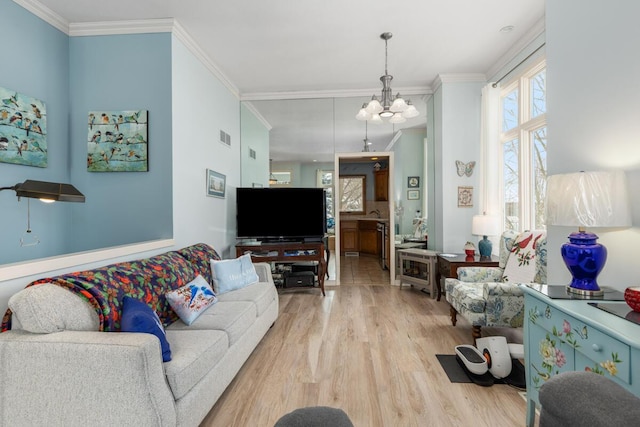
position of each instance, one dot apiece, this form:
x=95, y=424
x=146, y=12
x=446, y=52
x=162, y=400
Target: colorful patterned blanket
x=147, y=279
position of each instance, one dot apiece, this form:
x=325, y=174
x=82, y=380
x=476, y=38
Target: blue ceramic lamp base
x=584, y=258
x=485, y=248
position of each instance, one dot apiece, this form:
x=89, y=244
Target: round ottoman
x=315, y=416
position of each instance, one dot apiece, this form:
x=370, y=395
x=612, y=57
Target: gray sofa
x=85, y=377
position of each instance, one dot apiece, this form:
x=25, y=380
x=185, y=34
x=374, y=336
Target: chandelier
x=397, y=110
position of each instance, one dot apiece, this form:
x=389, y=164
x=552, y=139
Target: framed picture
x=216, y=184
x=413, y=195
x=413, y=182
x=117, y=141
x=256, y=185
x=465, y=197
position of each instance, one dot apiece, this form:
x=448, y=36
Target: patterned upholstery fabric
x=480, y=296
x=146, y=279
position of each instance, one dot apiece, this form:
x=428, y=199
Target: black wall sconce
x=47, y=191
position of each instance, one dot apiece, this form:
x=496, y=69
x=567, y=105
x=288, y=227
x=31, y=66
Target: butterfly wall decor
x=465, y=169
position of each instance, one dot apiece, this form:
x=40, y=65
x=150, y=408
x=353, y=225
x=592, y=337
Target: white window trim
x=522, y=133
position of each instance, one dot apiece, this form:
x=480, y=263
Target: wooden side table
x=448, y=265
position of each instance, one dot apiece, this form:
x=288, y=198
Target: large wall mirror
x=301, y=137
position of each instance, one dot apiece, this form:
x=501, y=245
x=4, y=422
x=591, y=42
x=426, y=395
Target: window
x=280, y=179
x=352, y=193
x=523, y=140
x=324, y=179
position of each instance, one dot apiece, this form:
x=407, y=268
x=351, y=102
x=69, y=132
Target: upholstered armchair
x=490, y=296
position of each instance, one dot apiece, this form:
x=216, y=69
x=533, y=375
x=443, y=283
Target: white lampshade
x=375, y=118
x=386, y=114
x=410, y=112
x=588, y=199
x=374, y=106
x=399, y=105
x=485, y=225
x=397, y=118
x=362, y=114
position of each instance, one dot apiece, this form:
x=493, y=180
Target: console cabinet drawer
x=594, y=350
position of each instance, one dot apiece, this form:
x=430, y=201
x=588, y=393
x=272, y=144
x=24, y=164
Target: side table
x=448, y=265
x=418, y=267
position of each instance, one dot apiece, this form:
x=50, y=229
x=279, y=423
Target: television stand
x=288, y=252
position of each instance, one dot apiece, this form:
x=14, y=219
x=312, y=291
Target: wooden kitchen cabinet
x=349, y=236
x=368, y=234
x=381, y=185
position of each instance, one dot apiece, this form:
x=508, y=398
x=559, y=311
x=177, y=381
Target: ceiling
x=284, y=49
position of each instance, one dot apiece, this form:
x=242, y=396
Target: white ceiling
x=271, y=49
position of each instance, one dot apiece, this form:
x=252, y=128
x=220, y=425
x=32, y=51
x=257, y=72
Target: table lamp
x=485, y=225
x=587, y=199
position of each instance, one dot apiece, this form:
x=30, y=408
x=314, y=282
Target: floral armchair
x=490, y=296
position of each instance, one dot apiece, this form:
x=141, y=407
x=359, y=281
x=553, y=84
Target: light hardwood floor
x=368, y=348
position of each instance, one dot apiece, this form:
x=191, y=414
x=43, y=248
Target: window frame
x=523, y=133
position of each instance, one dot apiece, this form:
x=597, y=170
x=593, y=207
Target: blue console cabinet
x=572, y=335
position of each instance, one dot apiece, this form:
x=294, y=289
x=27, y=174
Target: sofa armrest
x=480, y=274
x=83, y=378
x=504, y=304
x=263, y=269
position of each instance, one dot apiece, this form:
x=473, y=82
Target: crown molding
x=44, y=13
x=457, y=78
x=350, y=93
x=108, y=28
x=142, y=26
x=181, y=34
x=536, y=31
x=259, y=116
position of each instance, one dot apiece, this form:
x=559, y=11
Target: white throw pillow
x=521, y=264
x=232, y=274
x=192, y=299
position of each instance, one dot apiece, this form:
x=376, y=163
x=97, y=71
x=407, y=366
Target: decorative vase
x=632, y=297
x=469, y=249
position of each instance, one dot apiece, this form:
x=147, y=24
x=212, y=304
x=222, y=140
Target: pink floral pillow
x=191, y=300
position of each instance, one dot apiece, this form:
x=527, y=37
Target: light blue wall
x=202, y=106
x=122, y=72
x=309, y=173
x=255, y=136
x=409, y=161
x=593, y=115
x=457, y=137
x=35, y=62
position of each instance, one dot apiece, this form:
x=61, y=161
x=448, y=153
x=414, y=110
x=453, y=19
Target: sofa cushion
x=232, y=317
x=261, y=294
x=49, y=308
x=191, y=300
x=139, y=317
x=194, y=354
x=232, y=274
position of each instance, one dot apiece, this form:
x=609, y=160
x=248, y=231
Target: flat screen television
x=281, y=214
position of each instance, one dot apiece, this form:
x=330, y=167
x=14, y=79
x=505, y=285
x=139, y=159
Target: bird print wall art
x=117, y=141
x=23, y=129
